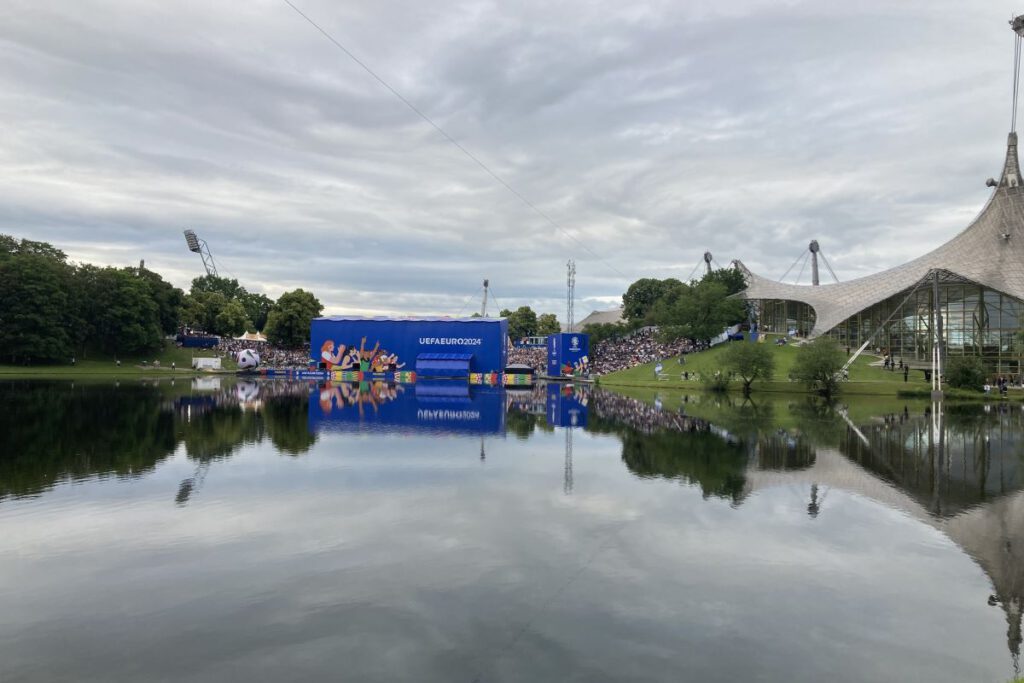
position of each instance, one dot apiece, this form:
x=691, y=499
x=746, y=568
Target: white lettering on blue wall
x=447, y=414
x=451, y=341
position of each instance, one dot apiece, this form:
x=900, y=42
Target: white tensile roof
x=990, y=252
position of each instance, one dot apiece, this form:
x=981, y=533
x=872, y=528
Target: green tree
x=700, y=312
x=222, y=285
x=749, y=361
x=522, y=322
x=965, y=372
x=731, y=278
x=126, y=319
x=257, y=306
x=200, y=310
x=289, y=320
x=817, y=365
x=547, y=323
x=232, y=319
x=166, y=296
x=643, y=294
x=33, y=308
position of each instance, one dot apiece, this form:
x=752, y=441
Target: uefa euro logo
x=574, y=344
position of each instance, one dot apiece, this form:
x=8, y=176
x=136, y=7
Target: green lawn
x=864, y=379
x=142, y=364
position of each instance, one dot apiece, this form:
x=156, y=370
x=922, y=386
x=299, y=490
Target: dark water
x=288, y=532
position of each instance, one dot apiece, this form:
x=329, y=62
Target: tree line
x=52, y=310
x=698, y=310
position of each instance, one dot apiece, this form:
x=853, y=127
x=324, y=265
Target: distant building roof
x=612, y=315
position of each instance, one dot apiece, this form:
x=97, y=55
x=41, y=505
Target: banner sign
x=392, y=345
x=568, y=354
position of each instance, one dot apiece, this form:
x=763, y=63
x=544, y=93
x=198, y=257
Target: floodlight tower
x=707, y=262
x=570, y=294
x=483, y=307
x=200, y=247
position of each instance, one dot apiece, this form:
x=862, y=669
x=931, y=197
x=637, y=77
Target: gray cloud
x=650, y=132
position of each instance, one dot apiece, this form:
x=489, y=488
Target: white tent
x=252, y=337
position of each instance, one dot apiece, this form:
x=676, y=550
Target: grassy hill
x=864, y=378
x=140, y=364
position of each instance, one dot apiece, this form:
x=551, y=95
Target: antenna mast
x=570, y=295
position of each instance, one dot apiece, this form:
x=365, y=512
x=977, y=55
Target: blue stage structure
x=196, y=341
x=568, y=354
x=430, y=347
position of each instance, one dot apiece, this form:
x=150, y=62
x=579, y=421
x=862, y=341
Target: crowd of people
x=534, y=356
x=612, y=355
x=642, y=416
x=270, y=356
x=609, y=355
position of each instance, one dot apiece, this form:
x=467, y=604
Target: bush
x=817, y=365
x=716, y=381
x=749, y=361
x=965, y=372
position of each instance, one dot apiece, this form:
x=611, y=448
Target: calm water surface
x=259, y=531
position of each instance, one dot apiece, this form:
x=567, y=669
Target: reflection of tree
x=522, y=423
x=702, y=458
x=216, y=433
x=670, y=444
x=51, y=431
x=286, y=420
x=54, y=430
x=818, y=421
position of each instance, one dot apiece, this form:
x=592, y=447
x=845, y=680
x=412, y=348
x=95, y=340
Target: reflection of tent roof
x=252, y=336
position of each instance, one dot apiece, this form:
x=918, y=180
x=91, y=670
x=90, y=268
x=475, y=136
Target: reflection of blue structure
x=443, y=407
x=566, y=407
x=568, y=354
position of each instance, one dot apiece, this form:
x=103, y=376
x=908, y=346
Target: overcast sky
x=650, y=132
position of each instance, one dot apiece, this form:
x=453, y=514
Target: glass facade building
x=980, y=275
x=976, y=321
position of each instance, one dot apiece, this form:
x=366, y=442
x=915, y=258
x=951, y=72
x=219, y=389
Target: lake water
x=216, y=530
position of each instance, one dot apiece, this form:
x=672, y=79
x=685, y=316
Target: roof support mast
x=814, y=262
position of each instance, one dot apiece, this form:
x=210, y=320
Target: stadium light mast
x=707, y=262
x=483, y=307
x=200, y=247
x=570, y=294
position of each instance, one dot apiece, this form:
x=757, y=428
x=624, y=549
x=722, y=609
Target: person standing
x=906, y=372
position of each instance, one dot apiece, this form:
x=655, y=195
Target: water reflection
x=59, y=431
x=489, y=518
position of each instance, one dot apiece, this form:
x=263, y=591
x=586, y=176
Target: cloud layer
x=651, y=133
